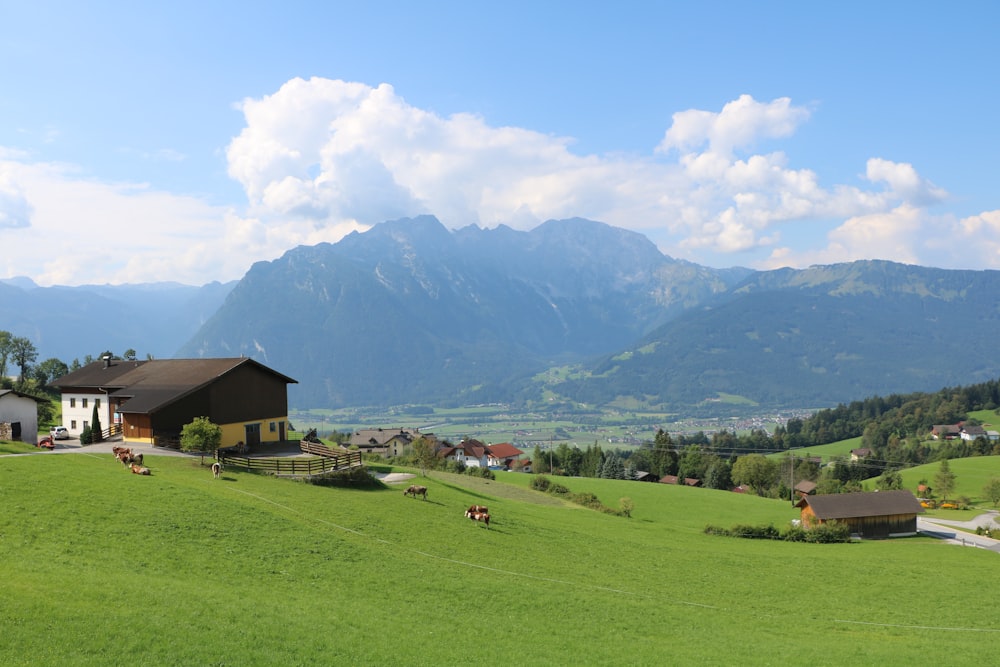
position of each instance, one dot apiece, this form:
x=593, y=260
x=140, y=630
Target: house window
x=84, y=402
x=85, y=424
x=72, y=402
x=72, y=425
x=97, y=403
x=273, y=426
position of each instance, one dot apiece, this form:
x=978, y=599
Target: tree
x=201, y=435
x=49, y=370
x=24, y=353
x=992, y=491
x=95, y=425
x=890, y=480
x=129, y=355
x=425, y=454
x=944, y=480
x=756, y=471
x=5, y=350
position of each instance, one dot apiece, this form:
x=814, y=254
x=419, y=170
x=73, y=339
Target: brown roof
x=852, y=505
x=151, y=384
x=504, y=450
x=379, y=437
x=805, y=486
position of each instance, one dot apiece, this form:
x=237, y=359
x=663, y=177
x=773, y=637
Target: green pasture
x=971, y=475
x=102, y=567
x=841, y=448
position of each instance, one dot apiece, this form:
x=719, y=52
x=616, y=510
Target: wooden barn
x=151, y=401
x=877, y=514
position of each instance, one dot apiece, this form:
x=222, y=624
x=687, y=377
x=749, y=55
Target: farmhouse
x=502, y=454
x=385, y=441
x=876, y=514
x=151, y=401
x=18, y=416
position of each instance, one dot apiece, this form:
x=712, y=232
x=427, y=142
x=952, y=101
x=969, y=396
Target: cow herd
x=130, y=460
x=475, y=512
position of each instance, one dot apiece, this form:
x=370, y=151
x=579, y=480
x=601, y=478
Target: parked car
x=59, y=433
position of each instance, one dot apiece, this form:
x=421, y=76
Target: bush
x=86, y=436
x=540, y=483
x=480, y=471
x=826, y=533
x=558, y=489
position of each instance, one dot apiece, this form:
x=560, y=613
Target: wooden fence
x=296, y=466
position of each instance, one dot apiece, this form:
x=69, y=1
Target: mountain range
x=573, y=311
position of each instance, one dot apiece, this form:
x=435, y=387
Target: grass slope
x=103, y=567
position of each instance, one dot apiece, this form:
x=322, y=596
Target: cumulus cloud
x=319, y=158
x=337, y=153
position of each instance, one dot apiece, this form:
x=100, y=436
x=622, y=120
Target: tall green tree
x=97, y=431
x=425, y=454
x=49, y=370
x=24, y=353
x=756, y=471
x=944, y=480
x=5, y=351
x=890, y=480
x=992, y=491
x=201, y=435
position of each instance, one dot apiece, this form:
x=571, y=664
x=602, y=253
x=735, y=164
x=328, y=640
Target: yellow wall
x=233, y=433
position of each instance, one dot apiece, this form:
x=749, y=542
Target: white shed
x=21, y=412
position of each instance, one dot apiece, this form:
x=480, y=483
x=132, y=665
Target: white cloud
x=320, y=158
x=338, y=152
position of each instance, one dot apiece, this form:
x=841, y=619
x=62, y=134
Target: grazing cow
x=478, y=516
x=415, y=491
x=139, y=470
x=479, y=509
x=216, y=469
x=137, y=458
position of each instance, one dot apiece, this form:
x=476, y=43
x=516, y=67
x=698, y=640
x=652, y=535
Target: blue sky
x=186, y=141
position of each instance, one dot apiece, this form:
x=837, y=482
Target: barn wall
x=874, y=527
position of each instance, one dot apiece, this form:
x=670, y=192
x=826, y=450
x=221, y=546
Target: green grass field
x=101, y=567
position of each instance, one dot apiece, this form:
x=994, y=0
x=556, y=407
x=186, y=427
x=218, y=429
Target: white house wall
x=14, y=408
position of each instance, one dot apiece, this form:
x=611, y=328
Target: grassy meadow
x=102, y=567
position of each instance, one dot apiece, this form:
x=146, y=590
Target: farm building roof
x=851, y=505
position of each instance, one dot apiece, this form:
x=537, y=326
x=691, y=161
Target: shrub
x=86, y=436
x=540, y=483
x=480, y=471
x=558, y=489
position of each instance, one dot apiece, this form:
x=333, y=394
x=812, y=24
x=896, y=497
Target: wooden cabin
x=878, y=514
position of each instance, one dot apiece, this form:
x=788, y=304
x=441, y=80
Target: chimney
x=107, y=360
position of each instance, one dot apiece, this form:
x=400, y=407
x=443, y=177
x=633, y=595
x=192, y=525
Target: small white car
x=59, y=433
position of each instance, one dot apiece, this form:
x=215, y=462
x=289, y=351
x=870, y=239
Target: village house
x=877, y=514
x=945, y=431
x=860, y=453
x=151, y=401
x=502, y=455
x=384, y=441
x=471, y=453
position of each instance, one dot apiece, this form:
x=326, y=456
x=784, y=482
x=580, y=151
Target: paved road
x=945, y=530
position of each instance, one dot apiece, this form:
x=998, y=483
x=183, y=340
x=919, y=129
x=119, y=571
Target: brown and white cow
x=479, y=509
x=139, y=470
x=478, y=516
x=216, y=469
x=415, y=491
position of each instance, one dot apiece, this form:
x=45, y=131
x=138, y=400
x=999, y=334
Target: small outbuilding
x=877, y=514
x=18, y=416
